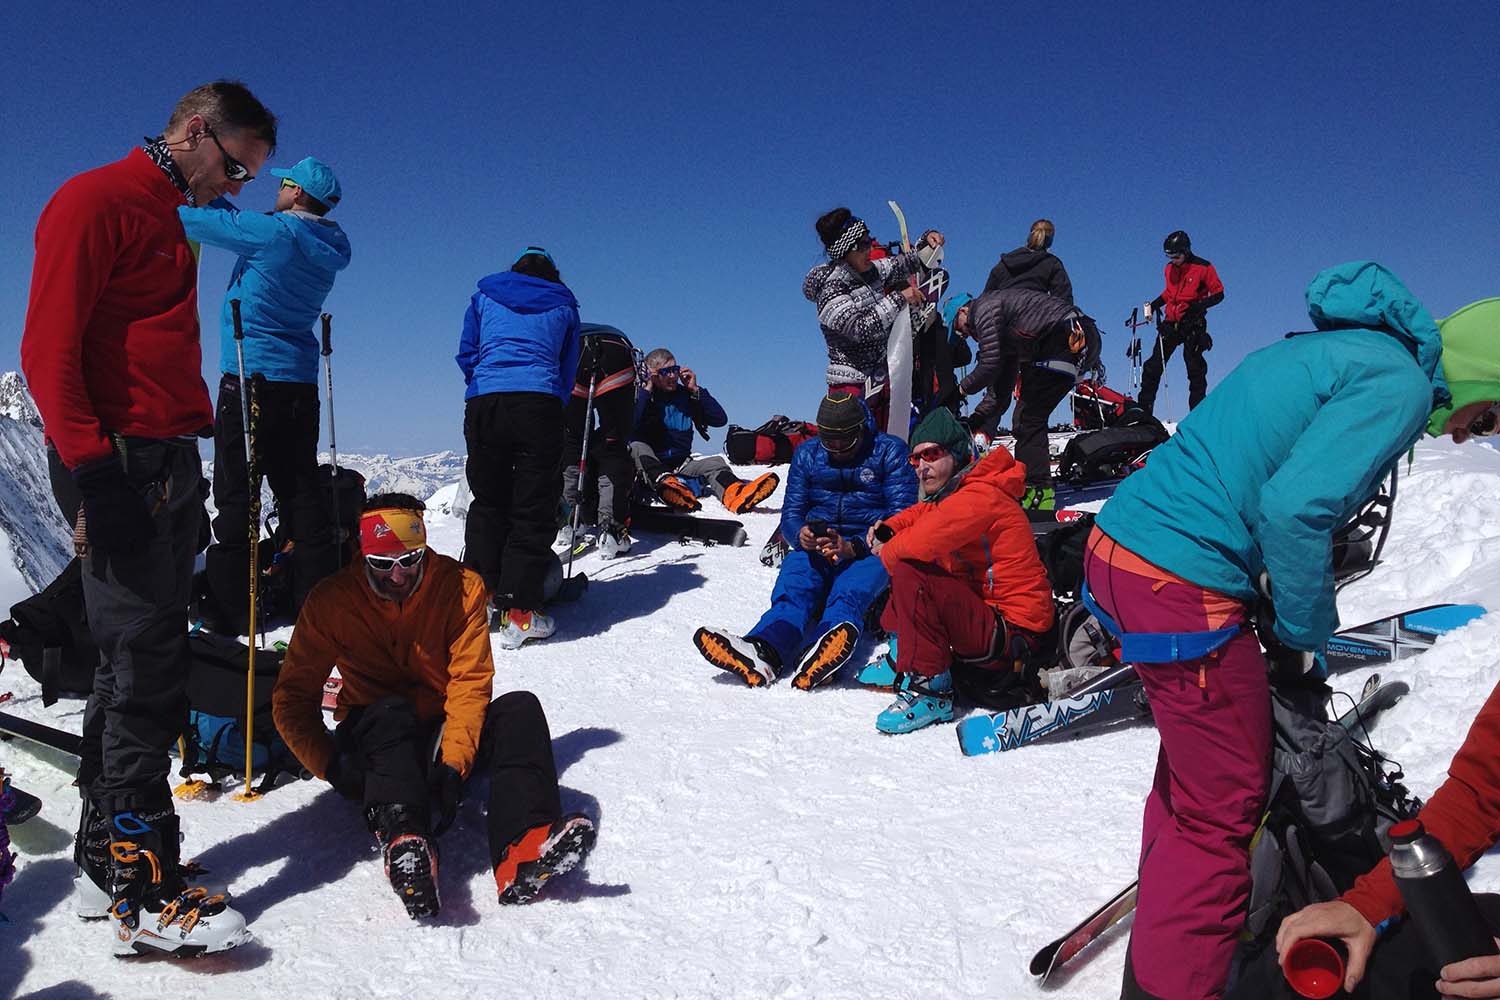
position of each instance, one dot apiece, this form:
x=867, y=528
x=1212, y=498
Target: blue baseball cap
x=953, y=305
x=315, y=177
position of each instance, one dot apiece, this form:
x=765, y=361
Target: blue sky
x=673, y=159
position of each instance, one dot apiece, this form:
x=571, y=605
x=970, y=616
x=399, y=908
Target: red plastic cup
x=1314, y=968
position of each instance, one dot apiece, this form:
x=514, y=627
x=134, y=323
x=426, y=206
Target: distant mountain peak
x=15, y=400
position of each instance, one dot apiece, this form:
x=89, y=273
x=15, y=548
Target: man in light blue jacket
x=1238, y=508
x=288, y=259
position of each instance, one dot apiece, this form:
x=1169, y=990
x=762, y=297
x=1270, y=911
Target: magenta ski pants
x=1212, y=773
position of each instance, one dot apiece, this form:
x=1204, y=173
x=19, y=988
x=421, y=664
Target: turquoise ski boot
x=880, y=674
x=920, y=701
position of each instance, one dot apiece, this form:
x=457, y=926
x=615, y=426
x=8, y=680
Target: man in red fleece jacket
x=1464, y=813
x=111, y=353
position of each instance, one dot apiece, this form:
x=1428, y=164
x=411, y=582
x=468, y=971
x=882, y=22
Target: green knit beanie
x=941, y=427
x=1471, y=358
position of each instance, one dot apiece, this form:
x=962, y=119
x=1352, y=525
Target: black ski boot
x=91, y=892
x=410, y=855
x=154, y=910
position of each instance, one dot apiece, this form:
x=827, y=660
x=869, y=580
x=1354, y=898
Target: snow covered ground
x=762, y=843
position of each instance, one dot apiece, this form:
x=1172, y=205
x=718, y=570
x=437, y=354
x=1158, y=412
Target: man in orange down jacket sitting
x=408, y=629
x=968, y=589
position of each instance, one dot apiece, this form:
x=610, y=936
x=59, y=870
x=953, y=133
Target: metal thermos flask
x=1437, y=897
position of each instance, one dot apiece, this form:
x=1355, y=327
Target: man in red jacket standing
x=1192, y=288
x=111, y=353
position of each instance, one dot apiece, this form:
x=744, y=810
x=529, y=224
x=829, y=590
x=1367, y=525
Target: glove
x=346, y=777
x=447, y=787
x=116, y=515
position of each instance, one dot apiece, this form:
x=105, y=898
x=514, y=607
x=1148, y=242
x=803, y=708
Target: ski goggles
x=839, y=442
x=385, y=564
x=1487, y=424
x=927, y=453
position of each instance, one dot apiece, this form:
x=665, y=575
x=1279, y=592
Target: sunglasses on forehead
x=406, y=560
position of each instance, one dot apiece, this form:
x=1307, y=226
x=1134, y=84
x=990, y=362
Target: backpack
x=772, y=443
x=214, y=742
x=49, y=634
x=1096, y=406
x=1333, y=799
x=1112, y=452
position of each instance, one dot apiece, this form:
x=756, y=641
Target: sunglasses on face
x=287, y=183
x=233, y=169
x=1487, y=424
x=863, y=243
x=927, y=453
x=668, y=371
x=406, y=560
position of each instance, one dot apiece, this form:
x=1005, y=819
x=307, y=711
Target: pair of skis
x=1118, y=696
x=1374, y=699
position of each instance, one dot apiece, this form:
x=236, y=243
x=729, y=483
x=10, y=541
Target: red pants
x=936, y=618
x=1212, y=773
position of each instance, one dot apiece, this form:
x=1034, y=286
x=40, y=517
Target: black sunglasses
x=406, y=560
x=668, y=371
x=233, y=169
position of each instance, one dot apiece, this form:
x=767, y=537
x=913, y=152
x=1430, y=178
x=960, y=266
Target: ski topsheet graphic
x=1118, y=696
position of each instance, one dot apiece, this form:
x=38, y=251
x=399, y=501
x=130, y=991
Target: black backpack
x=215, y=737
x=49, y=634
x=1333, y=798
x=1112, y=452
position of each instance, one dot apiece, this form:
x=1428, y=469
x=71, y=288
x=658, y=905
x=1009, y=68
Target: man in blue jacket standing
x=288, y=260
x=667, y=412
x=839, y=485
x=519, y=353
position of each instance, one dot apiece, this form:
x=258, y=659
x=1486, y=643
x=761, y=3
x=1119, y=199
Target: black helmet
x=1177, y=242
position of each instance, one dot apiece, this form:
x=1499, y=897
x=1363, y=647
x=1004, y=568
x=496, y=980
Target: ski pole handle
x=327, y=334
x=234, y=307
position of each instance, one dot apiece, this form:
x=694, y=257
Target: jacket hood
x=521, y=293
x=1364, y=295
x=1023, y=259
x=998, y=470
x=812, y=285
x=1471, y=358
x=321, y=240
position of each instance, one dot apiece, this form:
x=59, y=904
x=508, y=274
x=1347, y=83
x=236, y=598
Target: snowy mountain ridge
x=35, y=542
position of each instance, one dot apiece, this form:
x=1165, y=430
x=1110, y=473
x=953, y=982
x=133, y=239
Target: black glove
x=346, y=777
x=116, y=514
x=447, y=787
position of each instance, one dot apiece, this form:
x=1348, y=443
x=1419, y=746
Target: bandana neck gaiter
x=162, y=157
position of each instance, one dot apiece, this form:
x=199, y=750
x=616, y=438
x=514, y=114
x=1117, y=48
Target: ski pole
x=583, y=465
x=248, y=411
x=333, y=439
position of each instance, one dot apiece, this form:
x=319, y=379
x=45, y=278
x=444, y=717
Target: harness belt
x=1158, y=647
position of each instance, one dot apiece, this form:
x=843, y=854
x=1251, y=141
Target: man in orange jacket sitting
x=967, y=585
x=408, y=629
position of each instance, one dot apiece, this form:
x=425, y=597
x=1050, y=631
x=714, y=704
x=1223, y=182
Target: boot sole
x=830, y=655
x=566, y=853
x=679, y=498
x=749, y=503
x=716, y=651
x=418, y=891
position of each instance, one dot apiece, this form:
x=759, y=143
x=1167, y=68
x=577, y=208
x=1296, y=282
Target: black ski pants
x=609, y=444
x=398, y=752
x=515, y=442
x=286, y=452
x=1191, y=334
x=1041, y=390
x=712, y=472
x=1399, y=968
x=137, y=603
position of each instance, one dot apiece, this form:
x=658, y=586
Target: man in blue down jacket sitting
x=288, y=259
x=838, y=486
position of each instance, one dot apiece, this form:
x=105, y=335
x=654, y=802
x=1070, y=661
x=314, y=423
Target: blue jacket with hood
x=521, y=334
x=1286, y=448
x=878, y=483
x=287, y=264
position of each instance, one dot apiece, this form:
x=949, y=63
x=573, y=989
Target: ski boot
x=920, y=701
x=154, y=910
x=92, y=897
x=540, y=854
x=411, y=862
x=826, y=656
x=518, y=625
x=881, y=674
x=1039, y=498
x=675, y=493
x=614, y=540
x=740, y=498
x=752, y=660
